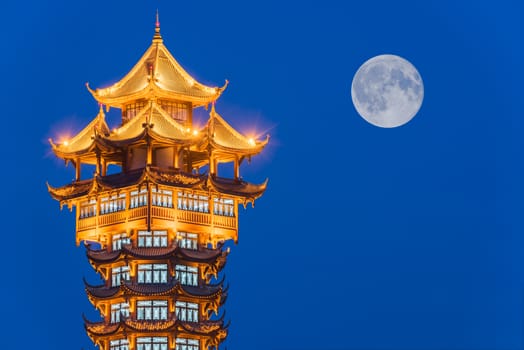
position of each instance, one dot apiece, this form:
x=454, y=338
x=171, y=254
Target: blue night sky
x=367, y=238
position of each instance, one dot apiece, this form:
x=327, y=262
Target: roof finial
x=157, y=37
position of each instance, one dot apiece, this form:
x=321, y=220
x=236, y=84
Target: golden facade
x=155, y=231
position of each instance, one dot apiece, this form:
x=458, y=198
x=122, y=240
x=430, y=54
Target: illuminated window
x=119, y=240
x=152, y=238
x=138, y=199
x=186, y=311
x=177, y=111
x=113, y=203
x=119, y=344
x=187, y=275
x=193, y=202
x=119, y=312
x=132, y=110
x=119, y=275
x=187, y=240
x=187, y=344
x=88, y=209
x=151, y=343
x=151, y=310
x=223, y=206
x=162, y=198
x=152, y=273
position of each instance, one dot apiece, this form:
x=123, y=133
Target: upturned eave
x=84, y=142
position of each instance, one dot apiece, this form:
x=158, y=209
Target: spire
x=157, y=37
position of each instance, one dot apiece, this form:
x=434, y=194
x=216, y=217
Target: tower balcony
x=154, y=208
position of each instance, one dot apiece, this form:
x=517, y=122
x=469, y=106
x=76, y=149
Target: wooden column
x=149, y=160
x=98, y=165
x=124, y=160
x=237, y=168
x=212, y=164
x=176, y=159
x=78, y=166
x=189, y=161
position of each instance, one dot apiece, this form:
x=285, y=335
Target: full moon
x=387, y=91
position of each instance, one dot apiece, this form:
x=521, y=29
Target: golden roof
x=158, y=122
x=82, y=142
x=224, y=137
x=157, y=75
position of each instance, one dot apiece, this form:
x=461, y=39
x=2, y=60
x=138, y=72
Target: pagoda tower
x=155, y=229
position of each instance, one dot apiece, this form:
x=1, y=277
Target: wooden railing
x=194, y=217
x=86, y=223
x=163, y=213
x=224, y=221
x=137, y=213
x=112, y=218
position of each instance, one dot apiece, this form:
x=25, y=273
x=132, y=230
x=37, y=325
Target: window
x=119, y=312
x=151, y=310
x=88, y=209
x=119, y=275
x=193, y=202
x=152, y=239
x=223, y=206
x=162, y=198
x=113, y=203
x=151, y=343
x=152, y=273
x=132, y=110
x=138, y=199
x=186, y=311
x=119, y=240
x=119, y=344
x=187, y=344
x=187, y=240
x=187, y=275
x=177, y=111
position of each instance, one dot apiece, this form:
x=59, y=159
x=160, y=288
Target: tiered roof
x=156, y=77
